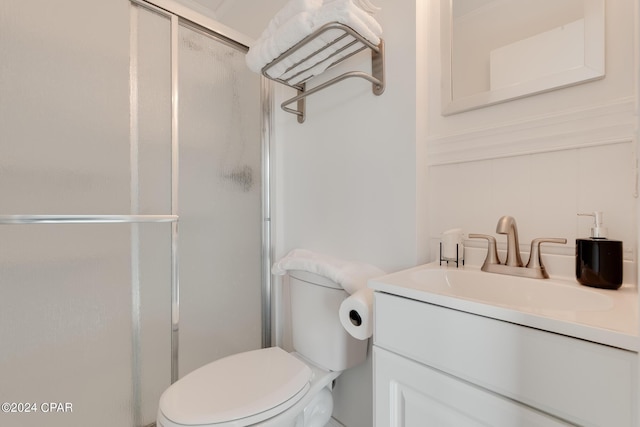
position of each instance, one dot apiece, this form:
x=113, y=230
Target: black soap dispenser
x=598, y=259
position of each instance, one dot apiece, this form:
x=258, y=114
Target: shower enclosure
x=133, y=208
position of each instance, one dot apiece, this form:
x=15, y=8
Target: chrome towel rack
x=305, y=65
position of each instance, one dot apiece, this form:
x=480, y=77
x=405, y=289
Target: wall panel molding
x=609, y=123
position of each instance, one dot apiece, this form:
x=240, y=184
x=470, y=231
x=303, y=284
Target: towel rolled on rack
x=265, y=50
x=325, y=55
x=288, y=11
x=368, y=7
x=326, y=48
x=342, y=11
x=299, y=23
x=329, y=48
x=323, y=60
x=346, y=12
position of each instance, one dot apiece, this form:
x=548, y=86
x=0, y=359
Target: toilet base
x=313, y=409
x=318, y=412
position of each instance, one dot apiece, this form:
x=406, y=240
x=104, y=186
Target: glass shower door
x=128, y=114
x=219, y=200
x=67, y=320
x=67, y=316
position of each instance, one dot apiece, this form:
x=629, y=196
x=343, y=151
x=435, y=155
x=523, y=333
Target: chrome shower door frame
x=178, y=13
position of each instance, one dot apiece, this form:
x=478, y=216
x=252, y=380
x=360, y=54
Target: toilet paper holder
x=355, y=318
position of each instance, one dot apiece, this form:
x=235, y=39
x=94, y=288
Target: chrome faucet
x=513, y=264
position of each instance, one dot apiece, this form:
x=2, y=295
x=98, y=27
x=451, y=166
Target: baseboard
x=334, y=423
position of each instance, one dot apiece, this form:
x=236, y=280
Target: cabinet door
x=409, y=394
x=586, y=383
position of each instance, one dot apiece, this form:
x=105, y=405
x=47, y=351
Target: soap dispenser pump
x=598, y=259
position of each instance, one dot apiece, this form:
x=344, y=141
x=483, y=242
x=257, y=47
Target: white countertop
x=614, y=325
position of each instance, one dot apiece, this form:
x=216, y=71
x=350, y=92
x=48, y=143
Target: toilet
x=271, y=387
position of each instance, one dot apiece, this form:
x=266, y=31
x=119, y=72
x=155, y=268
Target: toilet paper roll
x=356, y=314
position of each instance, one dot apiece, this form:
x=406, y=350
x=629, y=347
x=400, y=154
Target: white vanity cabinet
x=435, y=366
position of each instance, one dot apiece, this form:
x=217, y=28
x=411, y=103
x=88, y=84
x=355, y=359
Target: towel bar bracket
x=377, y=68
x=302, y=109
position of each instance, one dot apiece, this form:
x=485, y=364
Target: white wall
x=346, y=178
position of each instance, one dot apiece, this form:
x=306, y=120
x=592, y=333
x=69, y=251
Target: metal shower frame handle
x=376, y=78
x=86, y=219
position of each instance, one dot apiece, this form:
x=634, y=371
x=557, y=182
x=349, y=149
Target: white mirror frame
x=592, y=69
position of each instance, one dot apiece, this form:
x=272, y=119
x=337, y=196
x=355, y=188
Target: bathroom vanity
x=467, y=348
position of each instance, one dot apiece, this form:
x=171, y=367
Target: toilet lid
x=235, y=387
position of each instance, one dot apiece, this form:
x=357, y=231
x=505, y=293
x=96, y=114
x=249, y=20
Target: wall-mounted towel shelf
x=324, y=54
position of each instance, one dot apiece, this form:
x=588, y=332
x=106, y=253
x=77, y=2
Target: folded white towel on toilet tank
x=351, y=275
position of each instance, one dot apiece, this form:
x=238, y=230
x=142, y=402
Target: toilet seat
x=242, y=389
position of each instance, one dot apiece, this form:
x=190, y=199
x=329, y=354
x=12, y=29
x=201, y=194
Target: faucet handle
x=492, y=251
x=535, y=260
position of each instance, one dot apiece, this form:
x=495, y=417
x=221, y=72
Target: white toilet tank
x=317, y=332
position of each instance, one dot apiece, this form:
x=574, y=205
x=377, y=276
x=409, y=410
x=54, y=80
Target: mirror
x=497, y=50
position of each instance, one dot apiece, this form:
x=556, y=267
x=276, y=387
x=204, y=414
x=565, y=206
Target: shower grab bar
x=85, y=219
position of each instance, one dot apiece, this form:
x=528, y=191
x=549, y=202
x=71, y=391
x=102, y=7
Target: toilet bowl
x=271, y=387
x=267, y=388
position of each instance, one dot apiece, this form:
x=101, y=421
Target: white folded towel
x=368, y=7
x=342, y=11
x=288, y=11
x=290, y=33
x=346, y=12
x=293, y=23
x=320, y=67
x=351, y=275
x=325, y=45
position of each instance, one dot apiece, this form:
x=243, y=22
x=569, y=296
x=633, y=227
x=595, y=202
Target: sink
x=556, y=305
x=511, y=291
